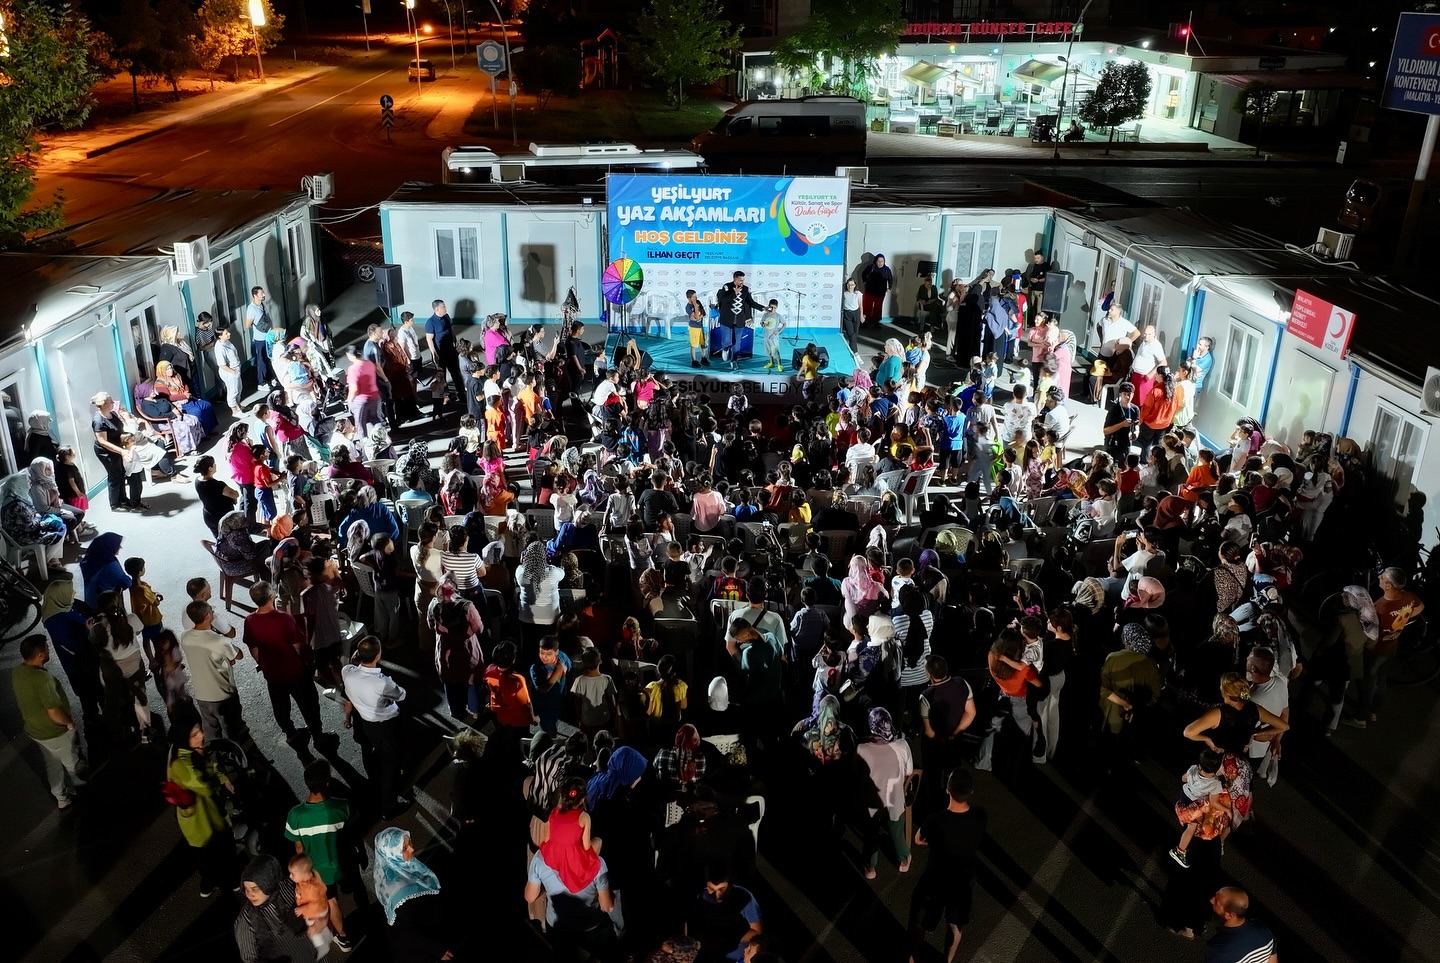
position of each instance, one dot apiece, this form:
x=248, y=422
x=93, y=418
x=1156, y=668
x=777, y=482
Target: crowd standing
x=700, y=606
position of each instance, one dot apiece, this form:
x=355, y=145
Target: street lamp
x=257, y=20
x=415, y=25
x=1075, y=31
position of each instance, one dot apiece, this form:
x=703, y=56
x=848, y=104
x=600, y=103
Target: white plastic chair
x=890, y=480
x=920, y=485
x=759, y=802
x=15, y=554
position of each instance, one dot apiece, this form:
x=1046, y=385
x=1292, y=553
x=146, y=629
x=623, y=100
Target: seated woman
x=343, y=465
x=348, y=436
x=24, y=525
x=169, y=383
x=235, y=543
x=154, y=405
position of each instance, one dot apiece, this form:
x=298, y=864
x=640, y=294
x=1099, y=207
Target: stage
x=672, y=356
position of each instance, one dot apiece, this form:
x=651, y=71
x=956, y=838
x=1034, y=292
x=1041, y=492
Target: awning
x=1038, y=72
x=1298, y=79
x=924, y=74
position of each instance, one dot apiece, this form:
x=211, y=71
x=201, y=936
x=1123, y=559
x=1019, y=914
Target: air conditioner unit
x=857, y=175
x=1336, y=243
x=320, y=187
x=192, y=257
x=1430, y=391
x=510, y=173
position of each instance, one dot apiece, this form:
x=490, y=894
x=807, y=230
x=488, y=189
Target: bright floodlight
x=257, y=13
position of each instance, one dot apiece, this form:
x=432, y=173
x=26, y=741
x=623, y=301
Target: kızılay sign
x=1412, y=81
x=1318, y=322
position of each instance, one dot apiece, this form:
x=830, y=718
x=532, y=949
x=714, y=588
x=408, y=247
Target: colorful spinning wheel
x=621, y=281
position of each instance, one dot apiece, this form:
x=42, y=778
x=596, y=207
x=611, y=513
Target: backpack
x=455, y=619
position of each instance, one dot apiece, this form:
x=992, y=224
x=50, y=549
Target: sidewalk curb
x=175, y=121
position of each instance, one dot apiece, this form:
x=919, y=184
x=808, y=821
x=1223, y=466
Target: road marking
x=138, y=176
x=193, y=156
x=327, y=100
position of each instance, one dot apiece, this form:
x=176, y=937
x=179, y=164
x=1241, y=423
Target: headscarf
x=1226, y=629
x=39, y=422
x=893, y=348
x=536, y=563
x=164, y=369
x=493, y=553
x=823, y=741
x=1032, y=597
x=1148, y=593
x=719, y=694
x=42, y=474
x=927, y=558
x=229, y=522
x=1136, y=639
x=882, y=727
x=1171, y=512
x=398, y=879
x=59, y=597
x=865, y=587
x=861, y=380
x=357, y=538
x=272, y=930
x=625, y=766
x=286, y=550
x=17, y=486
x=1089, y=594
x=590, y=489
x=100, y=553
x=1355, y=597
x=687, y=744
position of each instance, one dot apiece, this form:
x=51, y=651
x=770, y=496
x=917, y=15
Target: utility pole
x=257, y=20
x=1075, y=32
x=415, y=26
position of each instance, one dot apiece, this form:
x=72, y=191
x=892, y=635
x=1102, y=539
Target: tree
x=136, y=33
x=224, y=31
x=45, y=82
x=684, y=42
x=851, y=33
x=1119, y=96
x=1256, y=98
x=177, y=52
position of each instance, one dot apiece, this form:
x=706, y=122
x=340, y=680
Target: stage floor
x=672, y=356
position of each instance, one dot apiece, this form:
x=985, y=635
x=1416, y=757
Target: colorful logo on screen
x=808, y=212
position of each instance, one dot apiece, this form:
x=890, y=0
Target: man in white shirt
x=609, y=399
x=1054, y=417
x=1137, y=562
x=373, y=700
x=757, y=613
x=1018, y=417
x=1149, y=355
x=1115, y=334
x=198, y=589
x=860, y=453
x=211, y=658
x=257, y=321
x=1268, y=692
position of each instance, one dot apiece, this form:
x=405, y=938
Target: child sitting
x=1203, y=806
x=311, y=903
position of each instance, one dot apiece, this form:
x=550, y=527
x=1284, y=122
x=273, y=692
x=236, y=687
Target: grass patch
x=641, y=116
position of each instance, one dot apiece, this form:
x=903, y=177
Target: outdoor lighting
x=1372, y=65
x=257, y=20
x=429, y=29
x=257, y=13
x=1144, y=45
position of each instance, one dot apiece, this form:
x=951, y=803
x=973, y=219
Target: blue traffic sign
x=491, y=57
x=386, y=101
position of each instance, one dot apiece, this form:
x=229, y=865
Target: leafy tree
x=136, y=33
x=850, y=33
x=1119, y=96
x=177, y=51
x=552, y=67
x=682, y=42
x=225, y=32
x=45, y=82
x=1258, y=99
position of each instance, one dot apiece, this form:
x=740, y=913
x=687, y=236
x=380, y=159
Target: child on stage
x=772, y=324
x=696, y=313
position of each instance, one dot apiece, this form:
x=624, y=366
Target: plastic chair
x=759, y=803
x=231, y=572
x=720, y=612
x=541, y=521
x=913, y=491
x=365, y=578
x=683, y=524
x=839, y=545
x=890, y=480
x=15, y=554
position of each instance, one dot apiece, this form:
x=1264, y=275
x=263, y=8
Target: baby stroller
x=247, y=805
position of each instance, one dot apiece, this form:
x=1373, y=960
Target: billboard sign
x=1412, y=81
x=786, y=233
x=1318, y=322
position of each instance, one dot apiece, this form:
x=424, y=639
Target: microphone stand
x=799, y=312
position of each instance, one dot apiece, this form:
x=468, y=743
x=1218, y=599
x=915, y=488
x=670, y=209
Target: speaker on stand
x=1057, y=292
x=389, y=287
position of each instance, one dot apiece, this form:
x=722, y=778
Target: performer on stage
x=695, y=315
x=736, y=304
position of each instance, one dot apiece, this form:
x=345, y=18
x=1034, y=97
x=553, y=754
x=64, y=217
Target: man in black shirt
x=656, y=500
x=1121, y=417
x=947, y=887
x=735, y=304
x=947, y=708
x=1033, y=280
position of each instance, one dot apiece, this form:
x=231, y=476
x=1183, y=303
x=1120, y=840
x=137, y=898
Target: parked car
x=1357, y=213
x=423, y=69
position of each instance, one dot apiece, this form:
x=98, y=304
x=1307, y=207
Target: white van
x=804, y=135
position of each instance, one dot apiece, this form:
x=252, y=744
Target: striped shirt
x=1250, y=942
x=461, y=567
x=316, y=827
x=913, y=675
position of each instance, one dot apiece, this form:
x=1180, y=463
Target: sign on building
x=1412, y=81
x=1321, y=323
x=786, y=233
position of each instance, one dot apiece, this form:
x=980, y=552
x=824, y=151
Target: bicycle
x=19, y=603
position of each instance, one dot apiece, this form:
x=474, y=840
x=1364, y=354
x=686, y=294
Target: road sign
x=491, y=57
x=1412, y=81
x=386, y=101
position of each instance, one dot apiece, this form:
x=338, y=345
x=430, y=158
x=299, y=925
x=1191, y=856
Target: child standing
x=172, y=678
x=595, y=695
x=737, y=404
x=265, y=479
x=1203, y=806
x=904, y=575
x=695, y=315
x=469, y=431
x=69, y=480
x=144, y=602
x=772, y=324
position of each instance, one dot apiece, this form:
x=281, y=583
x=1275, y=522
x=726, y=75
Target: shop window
x=1396, y=446
x=1239, y=361
x=457, y=253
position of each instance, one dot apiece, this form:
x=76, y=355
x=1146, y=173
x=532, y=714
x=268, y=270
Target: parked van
x=805, y=135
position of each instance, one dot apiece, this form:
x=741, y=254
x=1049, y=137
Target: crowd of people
x=648, y=611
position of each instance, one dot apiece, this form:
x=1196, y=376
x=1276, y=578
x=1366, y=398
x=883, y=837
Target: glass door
x=17, y=409
x=143, y=320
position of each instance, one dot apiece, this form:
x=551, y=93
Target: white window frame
x=296, y=245
x=1149, y=296
x=456, y=241
x=1241, y=340
x=15, y=385
x=145, y=359
x=972, y=271
x=1407, y=428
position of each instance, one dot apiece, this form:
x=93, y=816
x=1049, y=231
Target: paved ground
x=1343, y=861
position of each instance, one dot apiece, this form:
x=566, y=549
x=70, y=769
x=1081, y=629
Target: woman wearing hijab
x=682, y=766
x=268, y=928
x=1229, y=579
x=45, y=497
x=100, y=568
x=170, y=384
x=234, y=545
x=24, y=525
x=40, y=440
x=592, y=491
x=891, y=767
x=539, y=584
x=1129, y=684
x=891, y=364
x=861, y=592
x=195, y=790
x=409, y=893
x=69, y=632
x=1214, y=657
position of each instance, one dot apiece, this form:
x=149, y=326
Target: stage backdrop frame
x=694, y=231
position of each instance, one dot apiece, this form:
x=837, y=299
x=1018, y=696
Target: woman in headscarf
x=268, y=928
x=682, y=765
x=409, y=893
x=1149, y=594
x=170, y=384
x=828, y=739
x=1129, y=684
x=1214, y=657
x=929, y=579
x=621, y=821
x=40, y=439
x=457, y=625
x=539, y=584
x=196, y=794
x=70, y=634
x=234, y=544
x=1230, y=578
x=892, y=363
x=24, y=525
x=100, y=568
x=1228, y=729
x=887, y=756
x=357, y=538
x=375, y=513
x=1315, y=497
x=45, y=497
x=592, y=491
x=861, y=592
